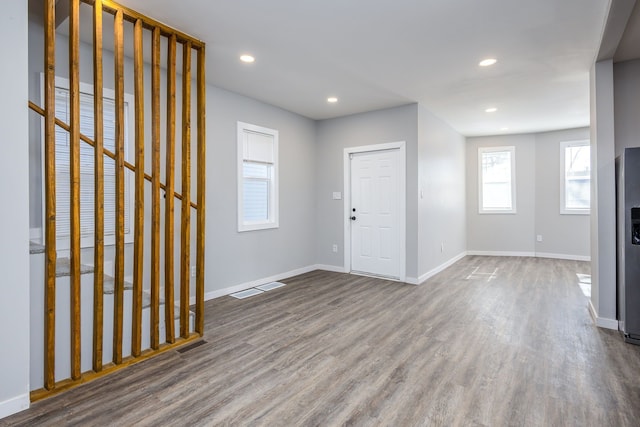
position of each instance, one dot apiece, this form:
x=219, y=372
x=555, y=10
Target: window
x=63, y=187
x=257, y=177
x=497, y=179
x=575, y=177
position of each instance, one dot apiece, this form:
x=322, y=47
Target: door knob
x=353, y=218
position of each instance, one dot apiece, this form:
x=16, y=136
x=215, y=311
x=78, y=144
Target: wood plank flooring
x=334, y=349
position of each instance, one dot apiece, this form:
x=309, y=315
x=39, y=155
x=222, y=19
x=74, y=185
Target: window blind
x=63, y=185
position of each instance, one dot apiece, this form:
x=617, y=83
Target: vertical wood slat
x=50, y=194
x=118, y=294
x=74, y=175
x=185, y=224
x=98, y=161
x=138, y=237
x=155, y=190
x=169, y=190
x=200, y=225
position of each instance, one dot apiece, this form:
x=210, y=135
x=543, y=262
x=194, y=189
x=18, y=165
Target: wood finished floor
x=335, y=349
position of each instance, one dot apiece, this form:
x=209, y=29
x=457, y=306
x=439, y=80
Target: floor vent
x=191, y=346
x=246, y=294
x=269, y=286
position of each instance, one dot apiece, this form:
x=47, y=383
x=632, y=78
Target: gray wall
x=441, y=193
x=231, y=257
x=603, y=210
x=503, y=232
x=561, y=234
x=537, y=200
x=389, y=125
x=626, y=78
x=14, y=217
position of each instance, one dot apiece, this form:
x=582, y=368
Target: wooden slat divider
x=141, y=22
x=138, y=228
x=169, y=202
x=155, y=189
x=185, y=223
x=74, y=175
x=148, y=23
x=107, y=152
x=98, y=161
x=111, y=368
x=118, y=295
x=50, y=194
x=201, y=159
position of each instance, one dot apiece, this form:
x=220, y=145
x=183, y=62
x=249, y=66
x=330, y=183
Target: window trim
x=87, y=241
x=563, y=207
x=273, y=221
x=512, y=150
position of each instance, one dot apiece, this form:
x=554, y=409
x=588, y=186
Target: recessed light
x=491, y=110
x=487, y=62
x=247, y=58
x=332, y=99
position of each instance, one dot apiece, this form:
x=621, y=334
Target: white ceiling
x=373, y=54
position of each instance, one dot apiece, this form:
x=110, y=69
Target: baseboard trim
x=563, y=256
x=326, y=267
x=502, y=253
x=423, y=278
x=531, y=254
x=253, y=283
x=14, y=405
x=602, y=322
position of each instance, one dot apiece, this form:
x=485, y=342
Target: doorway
x=375, y=196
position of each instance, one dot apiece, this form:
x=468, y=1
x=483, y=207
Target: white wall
x=442, y=228
x=537, y=201
x=14, y=217
x=376, y=127
x=512, y=233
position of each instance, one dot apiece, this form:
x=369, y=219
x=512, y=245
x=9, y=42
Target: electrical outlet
x=539, y=237
x=334, y=248
x=193, y=271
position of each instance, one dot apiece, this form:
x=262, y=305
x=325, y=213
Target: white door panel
x=375, y=199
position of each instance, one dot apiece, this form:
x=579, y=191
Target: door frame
x=402, y=200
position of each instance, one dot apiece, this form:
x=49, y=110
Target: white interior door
x=375, y=208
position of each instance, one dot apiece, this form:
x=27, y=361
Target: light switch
x=337, y=195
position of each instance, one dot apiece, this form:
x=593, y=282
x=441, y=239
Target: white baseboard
x=502, y=253
x=563, y=256
x=531, y=254
x=253, y=283
x=326, y=267
x=13, y=405
x=436, y=270
x=602, y=322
